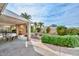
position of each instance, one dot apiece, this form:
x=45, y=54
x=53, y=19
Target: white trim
x=13, y=15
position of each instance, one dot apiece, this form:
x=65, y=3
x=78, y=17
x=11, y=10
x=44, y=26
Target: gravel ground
x=17, y=48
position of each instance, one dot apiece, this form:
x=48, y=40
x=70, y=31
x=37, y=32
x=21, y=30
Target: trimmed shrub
x=48, y=29
x=14, y=31
x=38, y=29
x=61, y=30
x=66, y=40
x=32, y=29
x=72, y=31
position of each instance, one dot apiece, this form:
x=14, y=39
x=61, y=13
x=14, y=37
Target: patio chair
x=13, y=36
x=1, y=36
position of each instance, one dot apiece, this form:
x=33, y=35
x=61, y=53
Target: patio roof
x=8, y=17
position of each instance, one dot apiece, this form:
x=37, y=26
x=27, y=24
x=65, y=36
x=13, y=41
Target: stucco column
x=29, y=30
x=17, y=30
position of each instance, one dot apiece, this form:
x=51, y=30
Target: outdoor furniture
x=8, y=36
x=22, y=37
x=11, y=36
x=1, y=37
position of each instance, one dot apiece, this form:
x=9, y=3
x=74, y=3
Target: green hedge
x=61, y=30
x=72, y=31
x=67, y=40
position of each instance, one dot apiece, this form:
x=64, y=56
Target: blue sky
x=49, y=13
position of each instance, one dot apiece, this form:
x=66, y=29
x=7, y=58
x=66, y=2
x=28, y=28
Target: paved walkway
x=17, y=48
x=53, y=49
x=70, y=51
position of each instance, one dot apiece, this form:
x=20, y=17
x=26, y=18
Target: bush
x=77, y=31
x=32, y=29
x=48, y=29
x=72, y=31
x=67, y=40
x=38, y=29
x=61, y=30
x=14, y=31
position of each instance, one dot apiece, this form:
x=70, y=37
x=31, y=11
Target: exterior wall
x=21, y=29
x=24, y=29
x=53, y=30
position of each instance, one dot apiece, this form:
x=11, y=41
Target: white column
x=29, y=30
x=17, y=30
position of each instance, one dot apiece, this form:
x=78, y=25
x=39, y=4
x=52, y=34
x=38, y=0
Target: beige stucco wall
x=21, y=29
x=53, y=30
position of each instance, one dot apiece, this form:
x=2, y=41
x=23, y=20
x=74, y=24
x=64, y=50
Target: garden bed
x=66, y=40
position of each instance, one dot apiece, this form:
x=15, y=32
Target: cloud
x=49, y=13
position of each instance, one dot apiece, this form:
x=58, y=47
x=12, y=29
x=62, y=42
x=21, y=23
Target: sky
x=49, y=13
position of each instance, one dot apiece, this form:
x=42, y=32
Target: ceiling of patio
x=8, y=17
x=6, y=20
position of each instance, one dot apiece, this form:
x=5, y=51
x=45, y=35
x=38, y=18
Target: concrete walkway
x=65, y=50
x=53, y=50
x=41, y=48
x=17, y=48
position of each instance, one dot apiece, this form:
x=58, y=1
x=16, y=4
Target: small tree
x=72, y=31
x=61, y=30
x=32, y=29
x=35, y=24
x=40, y=24
x=38, y=29
x=48, y=29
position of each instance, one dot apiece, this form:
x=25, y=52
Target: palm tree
x=26, y=16
x=40, y=24
x=35, y=24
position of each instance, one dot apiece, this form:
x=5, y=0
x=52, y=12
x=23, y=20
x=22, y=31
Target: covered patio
x=9, y=18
